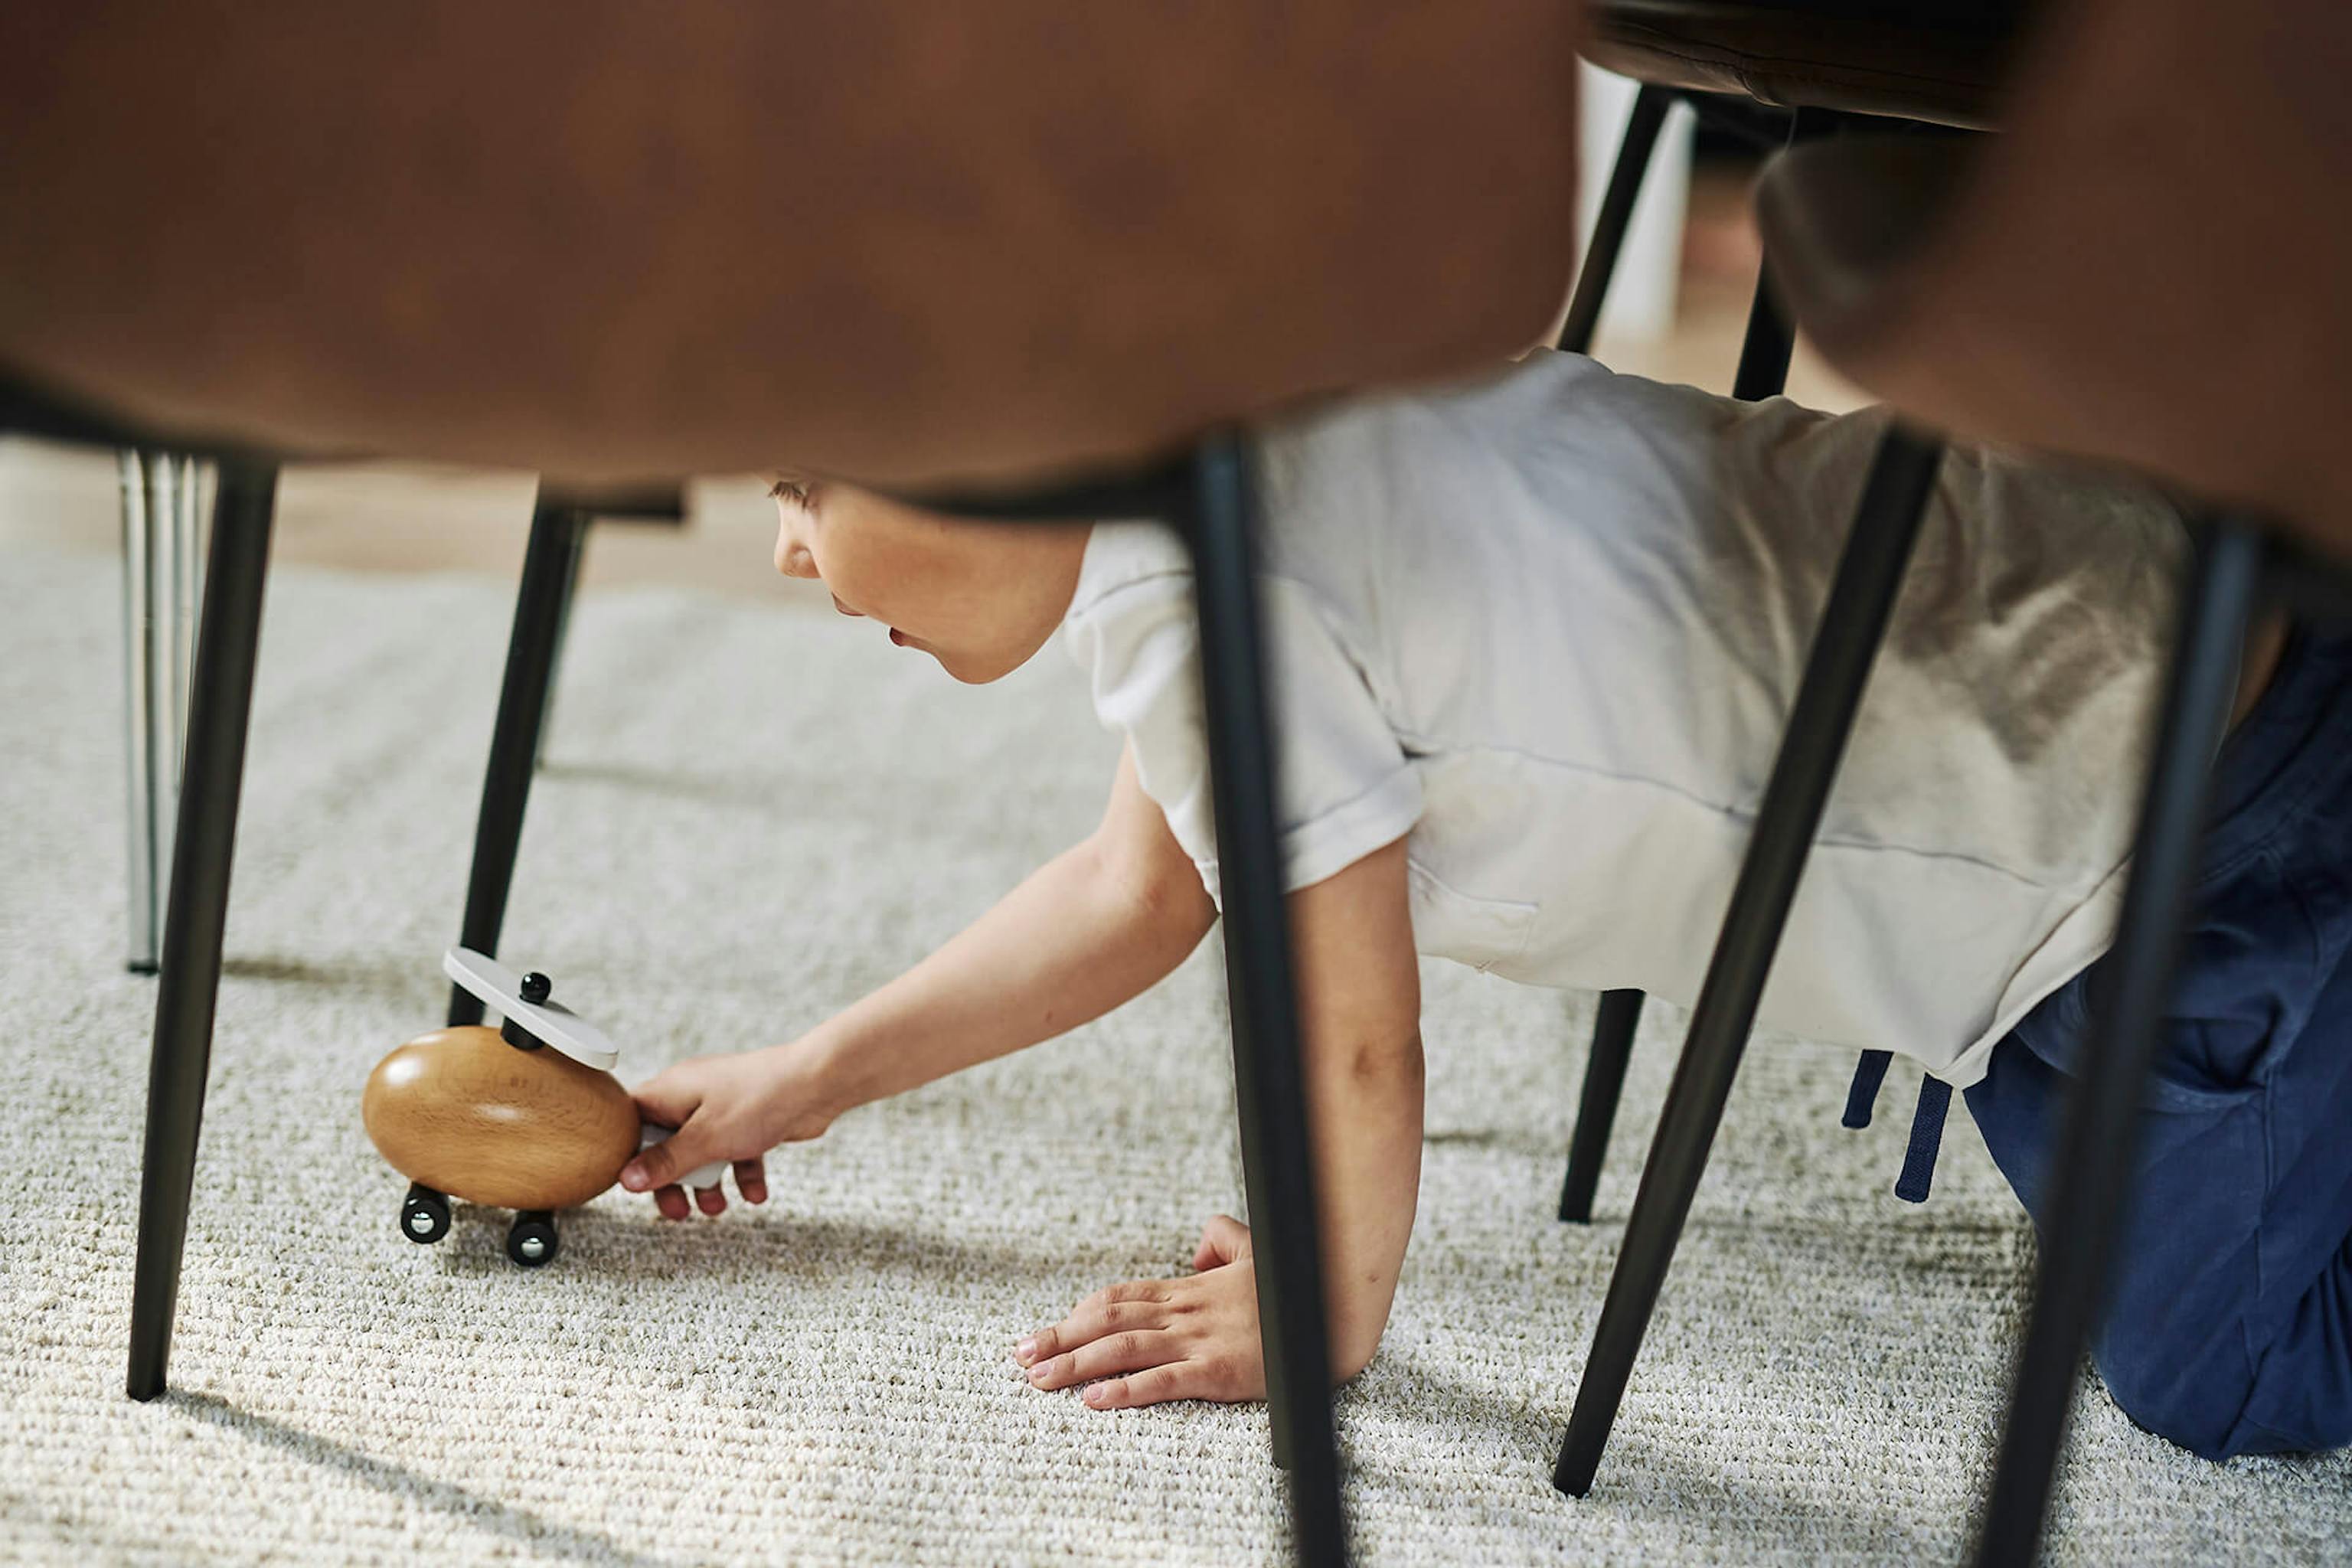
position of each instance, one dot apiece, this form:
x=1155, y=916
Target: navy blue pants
x=2230, y=1324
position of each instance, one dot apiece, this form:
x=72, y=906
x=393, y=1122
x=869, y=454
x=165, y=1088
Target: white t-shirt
x=1550, y=628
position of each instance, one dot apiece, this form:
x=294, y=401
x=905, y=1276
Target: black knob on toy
x=535, y=989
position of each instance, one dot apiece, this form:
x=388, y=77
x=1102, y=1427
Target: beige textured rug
x=748, y=817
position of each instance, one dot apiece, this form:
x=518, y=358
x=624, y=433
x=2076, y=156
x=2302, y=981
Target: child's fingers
x=1138, y=1304
x=669, y=1098
x=1222, y=1239
x=711, y=1200
x=661, y=1165
x=1155, y=1386
x=1105, y=1357
x=671, y=1201
x=752, y=1180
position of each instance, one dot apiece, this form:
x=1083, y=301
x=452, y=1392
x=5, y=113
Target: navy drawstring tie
x=1926, y=1122
x=1868, y=1074
x=1926, y=1139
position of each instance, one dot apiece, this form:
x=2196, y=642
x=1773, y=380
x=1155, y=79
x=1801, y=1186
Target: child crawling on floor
x=1532, y=643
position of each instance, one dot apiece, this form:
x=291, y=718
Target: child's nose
x=793, y=558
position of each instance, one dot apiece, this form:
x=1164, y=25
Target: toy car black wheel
x=424, y=1214
x=531, y=1242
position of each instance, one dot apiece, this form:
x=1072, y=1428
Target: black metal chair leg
x=555, y=656
x=1869, y=576
x=1762, y=371
x=1596, y=1110
x=1764, y=352
x=1277, y=1168
x=548, y=564
x=1612, y=1033
x=2090, y=1175
x=1771, y=337
x=1615, y=216
x=212, y=777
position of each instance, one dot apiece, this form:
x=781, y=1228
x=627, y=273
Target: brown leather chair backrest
x=901, y=242
x=2155, y=266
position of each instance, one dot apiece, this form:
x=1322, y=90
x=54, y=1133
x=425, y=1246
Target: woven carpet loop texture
x=748, y=816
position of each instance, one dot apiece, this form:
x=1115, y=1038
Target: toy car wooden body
x=525, y=1116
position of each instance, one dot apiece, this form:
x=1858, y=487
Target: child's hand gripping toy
x=526, y=1116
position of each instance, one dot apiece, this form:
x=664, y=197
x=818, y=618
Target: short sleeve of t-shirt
x=1344, y=784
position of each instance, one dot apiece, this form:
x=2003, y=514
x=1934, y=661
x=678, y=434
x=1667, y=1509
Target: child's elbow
x=1383, y=1060
x=1349, y=1360
x=1162, y=895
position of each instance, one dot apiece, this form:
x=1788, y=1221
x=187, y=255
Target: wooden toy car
x=526, y=1116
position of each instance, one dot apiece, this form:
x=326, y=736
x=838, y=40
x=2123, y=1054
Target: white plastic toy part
x=700, y=1176
x=552, y=1022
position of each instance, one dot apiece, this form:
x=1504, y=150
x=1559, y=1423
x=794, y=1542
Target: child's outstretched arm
x=1359, y=1007
x=1091, y=928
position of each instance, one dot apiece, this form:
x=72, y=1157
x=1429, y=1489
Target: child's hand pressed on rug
x=1149, y=1340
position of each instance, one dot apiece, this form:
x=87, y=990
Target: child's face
x=979, y=597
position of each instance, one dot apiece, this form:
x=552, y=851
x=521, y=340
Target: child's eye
x=793, y=491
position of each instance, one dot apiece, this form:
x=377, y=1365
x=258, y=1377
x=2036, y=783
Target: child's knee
x=2198, y=1409
x=2233, y=1401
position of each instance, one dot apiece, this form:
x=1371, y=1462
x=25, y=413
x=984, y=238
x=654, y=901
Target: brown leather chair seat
x=906, y=244
x=2115, y=278
x=1936, y=61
